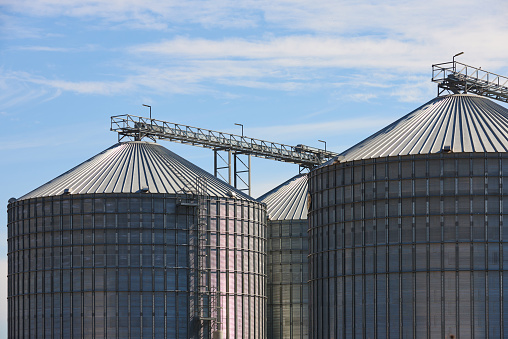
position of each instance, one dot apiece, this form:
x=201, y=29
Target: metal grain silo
x=409, y=231
x=136, y=242
x=287, y=288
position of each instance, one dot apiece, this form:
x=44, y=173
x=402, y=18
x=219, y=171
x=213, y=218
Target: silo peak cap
x=289, y=200
x=452, y=123
x=137, y=167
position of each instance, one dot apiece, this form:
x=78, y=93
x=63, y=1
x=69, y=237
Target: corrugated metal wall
x=288, y=304
x=288, y=248
x=410, y=247
x=117, y=265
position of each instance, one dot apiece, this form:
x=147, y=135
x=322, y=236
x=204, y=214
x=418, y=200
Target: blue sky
x=289, y=71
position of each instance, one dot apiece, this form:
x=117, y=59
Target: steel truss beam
x=137, y=128
x=238, y=171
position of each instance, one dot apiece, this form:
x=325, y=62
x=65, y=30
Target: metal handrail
x=140, y=127
x=461, y=78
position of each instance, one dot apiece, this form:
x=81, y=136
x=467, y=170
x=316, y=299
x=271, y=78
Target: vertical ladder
x=207, y=304
x=204, y=308
x=187, y=197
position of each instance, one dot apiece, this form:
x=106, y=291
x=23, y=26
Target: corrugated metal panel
x=409, y=247
x=463, y=122
x=128, y=168
x=287, y=201
x=131, y=260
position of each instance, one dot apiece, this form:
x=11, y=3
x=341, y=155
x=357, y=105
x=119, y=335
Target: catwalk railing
x=140, y=127
x=461, y=78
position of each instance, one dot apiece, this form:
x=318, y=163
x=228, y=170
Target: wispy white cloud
x=50, y=141
x=13, y=28
x=404, y=20
x=285, y=86
x=86, y=48
x=330, y=15
x=191, y=77
x=19, y=87
x=303, y=45
x=145, y=14
x=49, y=136
x=88, y=87
x=403, y=36
x=359, y=97
x=298, y=51
x=218, y=77
x=306, y=51
x=414, y=89
x=346, y=126
x=42, y=49
x=16, y=90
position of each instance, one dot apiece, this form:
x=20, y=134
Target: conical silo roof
x=288, y=201
x=455, y=123
x=131, y=167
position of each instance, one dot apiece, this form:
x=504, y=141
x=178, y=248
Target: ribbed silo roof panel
x=130, y=167
x=462, y=122
x=287, y=201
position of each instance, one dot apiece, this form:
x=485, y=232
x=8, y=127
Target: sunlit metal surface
x=287, y=201
x=454, y=123
x=407, y=241
x=130, y=167
x=94, y=263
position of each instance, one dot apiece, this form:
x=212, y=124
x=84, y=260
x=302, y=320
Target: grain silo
x=136, y=242
x=409, y=230
x=287, y=269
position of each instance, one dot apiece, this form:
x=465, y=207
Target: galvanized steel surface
x=132, y=167
x=456, y=123
x=110, y=259
x=407, y=229
x=120, y=266
x=287, y=287
x=287, y=201
x=410, y=247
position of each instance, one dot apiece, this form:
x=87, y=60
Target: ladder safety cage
x=457, y=78
x=137, y=127
x=204, y=301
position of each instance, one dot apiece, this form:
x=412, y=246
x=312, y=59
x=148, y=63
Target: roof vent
x=446, y=149
x=338, y=159
x=12, y=200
